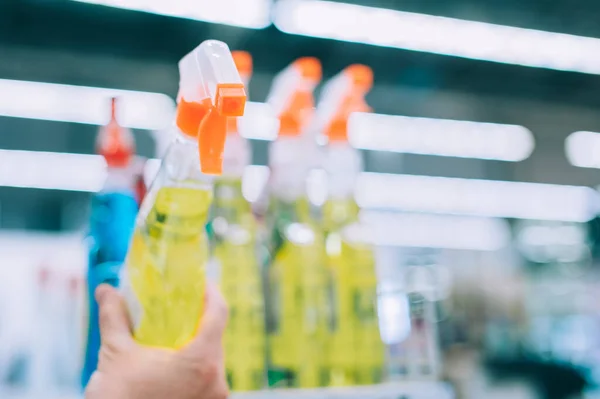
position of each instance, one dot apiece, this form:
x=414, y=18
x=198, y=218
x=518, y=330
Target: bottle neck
x=343, y=164
x=181, y=164
x=179, y=191
x=119, y=179
x=229, y=199
x=236, y=155
x=290, y=162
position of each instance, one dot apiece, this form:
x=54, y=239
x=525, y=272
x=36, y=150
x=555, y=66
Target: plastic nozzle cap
x=231, y=100
x=341, y=96
x=115, y=143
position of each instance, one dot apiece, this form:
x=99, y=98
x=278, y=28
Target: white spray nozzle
x=342, y=95
x=291, y=91
x=209, y=72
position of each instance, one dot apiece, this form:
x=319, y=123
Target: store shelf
x=425, y=390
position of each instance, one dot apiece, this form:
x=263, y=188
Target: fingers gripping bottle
x=165, y=269
x=234, y=231
x=297, y=289
x=113, y=212
x=356, y=351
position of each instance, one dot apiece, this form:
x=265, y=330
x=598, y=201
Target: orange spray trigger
x=190, y=114
x=211, y=142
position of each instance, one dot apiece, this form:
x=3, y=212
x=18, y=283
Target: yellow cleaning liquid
x=298, y=283
x=370, y=348
x=166, y=267
x=355, y=350
x=341, y=351
x=241, y=284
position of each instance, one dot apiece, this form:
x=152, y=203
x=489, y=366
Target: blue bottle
x=113, y=214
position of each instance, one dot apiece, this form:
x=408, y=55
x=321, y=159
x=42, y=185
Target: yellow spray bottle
x=234, y=231
x=297, y=289
x=164, y=275
x=355, y=352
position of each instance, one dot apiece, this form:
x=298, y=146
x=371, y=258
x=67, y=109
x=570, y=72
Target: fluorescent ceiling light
x=253, y=14
x=408, y=193
x=442, y=137
x=154, y=111
x=52, y=170
x=81, y=104
x=583, y=149
x=439, y=35
x=437, y=231
x=406, y=134
x=486, y=198
x=490, y=198
x=548, y=242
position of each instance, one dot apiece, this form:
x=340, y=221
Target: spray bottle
x=113, y=213
x=356, y=351
x=164, y=277
x=235, y=251
x=297, y=289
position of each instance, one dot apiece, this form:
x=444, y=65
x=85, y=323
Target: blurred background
x=484, y=170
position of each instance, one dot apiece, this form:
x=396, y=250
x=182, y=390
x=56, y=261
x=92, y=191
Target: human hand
x=127, y=370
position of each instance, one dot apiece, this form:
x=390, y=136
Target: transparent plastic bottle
x=297, y=289
x=234, y=231
x=355, y=350
x=165, y=269
x=113, y=212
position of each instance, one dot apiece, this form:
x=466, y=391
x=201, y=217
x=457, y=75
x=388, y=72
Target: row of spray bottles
x=322, y=286
x=301, y=286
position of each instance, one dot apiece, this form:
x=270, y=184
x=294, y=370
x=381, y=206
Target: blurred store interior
x=481, y=164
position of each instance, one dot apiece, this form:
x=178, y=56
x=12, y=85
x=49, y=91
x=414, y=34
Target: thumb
x=114, y=321
x=214, y=320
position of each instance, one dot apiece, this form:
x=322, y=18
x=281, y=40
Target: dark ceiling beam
x=87, y=30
